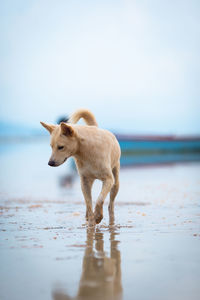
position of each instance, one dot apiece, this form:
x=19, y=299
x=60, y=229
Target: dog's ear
x=48, y=127
x=66, y=129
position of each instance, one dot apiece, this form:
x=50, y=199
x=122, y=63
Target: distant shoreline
x=120, y=137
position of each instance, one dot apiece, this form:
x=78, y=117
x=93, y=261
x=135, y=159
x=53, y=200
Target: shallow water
x=47, y=251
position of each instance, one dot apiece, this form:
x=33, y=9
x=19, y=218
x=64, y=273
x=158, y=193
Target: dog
x=97, y=156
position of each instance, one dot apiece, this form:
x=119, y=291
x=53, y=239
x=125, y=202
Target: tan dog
x=97, y=155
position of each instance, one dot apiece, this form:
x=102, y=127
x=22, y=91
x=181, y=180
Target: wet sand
x=150, y=252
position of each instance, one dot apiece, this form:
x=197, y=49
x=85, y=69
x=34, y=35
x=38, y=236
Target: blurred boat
x=151, y=150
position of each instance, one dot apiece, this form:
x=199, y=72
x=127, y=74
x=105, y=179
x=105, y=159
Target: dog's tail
x=88, y=117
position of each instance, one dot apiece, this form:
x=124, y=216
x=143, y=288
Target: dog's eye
x=60, y=147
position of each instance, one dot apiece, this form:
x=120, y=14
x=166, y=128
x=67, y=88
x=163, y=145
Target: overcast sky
x=135, y=64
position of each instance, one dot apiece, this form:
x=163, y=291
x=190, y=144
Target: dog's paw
x=98, y=219
x=91, y=222
x=98, y=215
x=111, y=218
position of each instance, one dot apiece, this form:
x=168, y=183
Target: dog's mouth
x=57, y=165
x=65, y=159
x=54, y=164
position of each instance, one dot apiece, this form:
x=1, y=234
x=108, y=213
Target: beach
x=47, y=251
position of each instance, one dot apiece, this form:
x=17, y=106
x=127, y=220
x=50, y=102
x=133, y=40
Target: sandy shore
x=151, y=252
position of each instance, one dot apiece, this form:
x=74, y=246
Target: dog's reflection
x=101, y=274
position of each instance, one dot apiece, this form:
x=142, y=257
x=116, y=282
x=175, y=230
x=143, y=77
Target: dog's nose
x=51, y=163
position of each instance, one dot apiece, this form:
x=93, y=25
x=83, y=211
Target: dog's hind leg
x=86, y=186
x=113, y=192
x=107, y=185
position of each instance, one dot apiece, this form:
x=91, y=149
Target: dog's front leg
x=107, y=185
x=86, y=186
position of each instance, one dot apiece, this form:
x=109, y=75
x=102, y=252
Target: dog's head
x=63, y=142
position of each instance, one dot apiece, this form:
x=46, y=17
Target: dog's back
x=98, y=143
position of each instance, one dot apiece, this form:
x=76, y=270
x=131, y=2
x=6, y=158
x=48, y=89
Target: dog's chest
x=87, y=168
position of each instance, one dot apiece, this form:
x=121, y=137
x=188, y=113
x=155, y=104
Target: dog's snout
x=51, y=163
